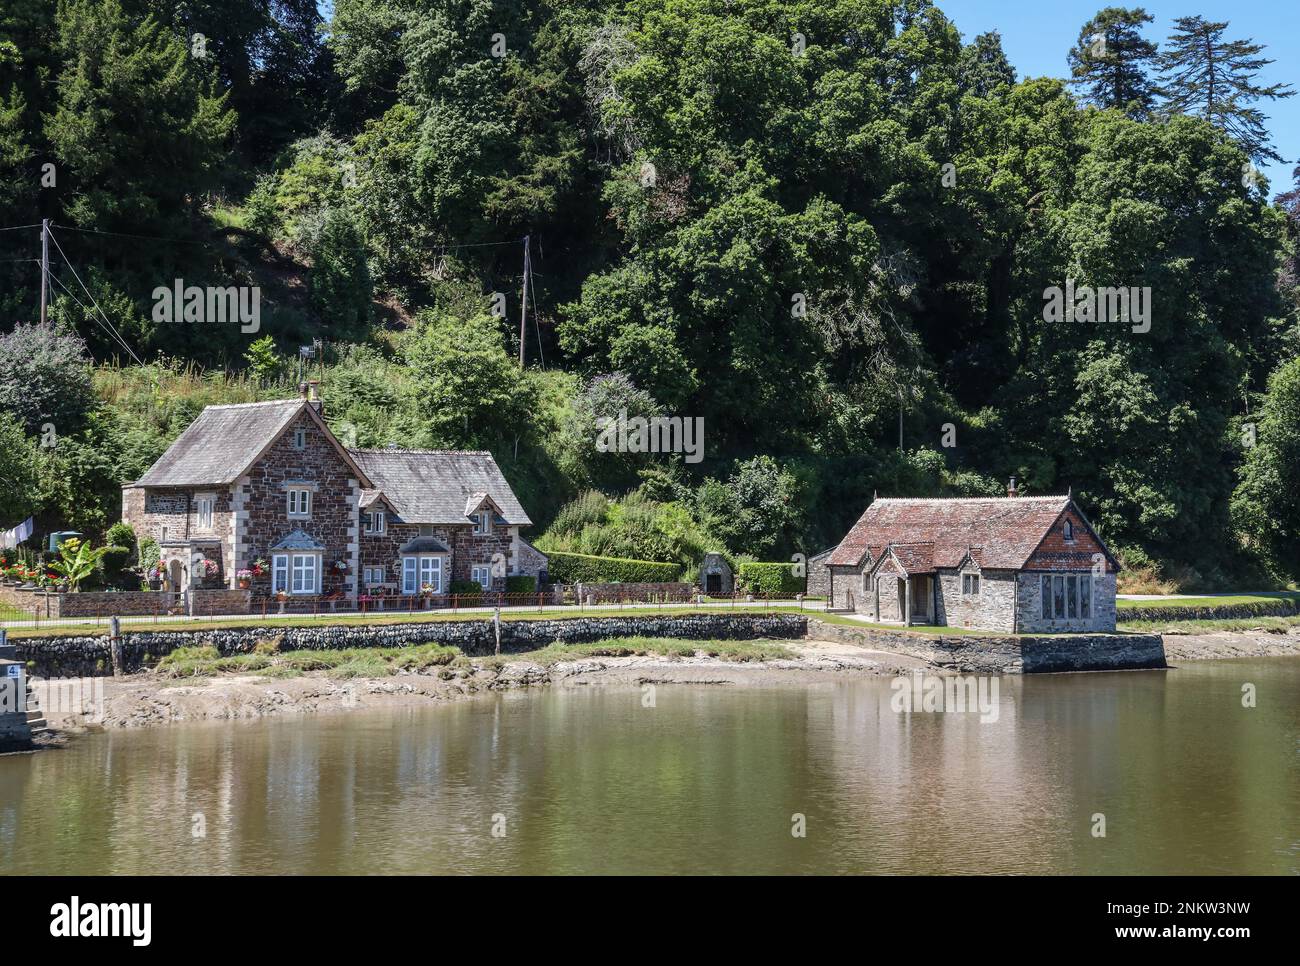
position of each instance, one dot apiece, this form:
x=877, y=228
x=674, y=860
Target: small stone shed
x=715, y=574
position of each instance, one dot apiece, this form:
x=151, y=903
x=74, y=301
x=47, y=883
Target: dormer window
x=1069, y=532
x=300, y=438
x=376, y=521
x=482, y=524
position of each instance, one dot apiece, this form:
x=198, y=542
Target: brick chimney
x=310, y=391
x=1011, y=488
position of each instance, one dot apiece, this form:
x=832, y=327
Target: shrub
x=149, y=556
x=121, y=535
x=574, y=568
x=115, y=561
x=771, y=579
x=521, y=584
x=466, y=587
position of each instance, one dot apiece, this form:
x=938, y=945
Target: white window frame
x=297, y=573
x=483, y=574
x=420, y=569
x=482, y=523
x=298, y=502
x=376, y=521
x=203, y=506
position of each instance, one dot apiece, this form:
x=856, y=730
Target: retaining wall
x=996, y=654
x=89, y=656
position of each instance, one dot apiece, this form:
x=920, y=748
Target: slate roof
x=221, y=443
x=434, y=486
x=1005, y=529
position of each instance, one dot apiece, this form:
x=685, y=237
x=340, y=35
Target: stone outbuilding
x=715, y=574
x=819, y=574
x=1017, y=564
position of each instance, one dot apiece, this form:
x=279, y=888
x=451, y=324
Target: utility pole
x=45, y=267
x=523, y=305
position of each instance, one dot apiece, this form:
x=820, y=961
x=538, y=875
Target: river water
x=709, y=779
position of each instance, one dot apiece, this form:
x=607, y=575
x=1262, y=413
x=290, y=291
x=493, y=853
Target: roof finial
x=1069, y=492
x=875, y=495
x=1011, y=488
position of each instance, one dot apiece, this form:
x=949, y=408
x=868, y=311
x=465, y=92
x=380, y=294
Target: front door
x=921, y=599
x=713, y=583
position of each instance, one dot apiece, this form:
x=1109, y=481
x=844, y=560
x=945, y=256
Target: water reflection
x=709, y=780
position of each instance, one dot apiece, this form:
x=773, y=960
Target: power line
x=116, y=334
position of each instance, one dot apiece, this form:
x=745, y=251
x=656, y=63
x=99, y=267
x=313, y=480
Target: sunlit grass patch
x=205, y=661
x=659, y=647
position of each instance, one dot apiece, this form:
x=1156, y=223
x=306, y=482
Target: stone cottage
x=270, y=482
x=1018, y=564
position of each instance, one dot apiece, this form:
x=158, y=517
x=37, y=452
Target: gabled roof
x=914, y=558
x=1006, y=529
x=435, y=486
x=299, y=540
x=224, y=441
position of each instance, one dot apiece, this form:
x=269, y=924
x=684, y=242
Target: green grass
x=372, y=662
x=306, y=620
x=741, y=651
x=1279, y=625
x=376, y=662
x=1260, y=598
x=8, y=612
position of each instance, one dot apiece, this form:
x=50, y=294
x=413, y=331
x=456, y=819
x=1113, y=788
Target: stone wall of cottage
x=529, y=561
x=846, y=587
x=261, y=498
x=819, y=577
x=992, y=609
x=1055, y=553
x=170, y=516
x=467, y=550
x=1030, y=606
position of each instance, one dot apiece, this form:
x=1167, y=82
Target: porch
x=905, y=599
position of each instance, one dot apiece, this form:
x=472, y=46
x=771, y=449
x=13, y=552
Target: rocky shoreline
x=147, y=699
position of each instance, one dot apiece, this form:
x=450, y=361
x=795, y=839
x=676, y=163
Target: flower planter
x=245, y=584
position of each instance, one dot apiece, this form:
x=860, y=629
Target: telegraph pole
x=45, y=267
x=523, y=305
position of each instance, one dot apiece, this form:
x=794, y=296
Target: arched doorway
x=175, y=576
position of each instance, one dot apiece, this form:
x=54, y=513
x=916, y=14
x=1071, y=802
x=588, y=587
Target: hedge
x=582, y=568
x=521, y=584
x=771, y=579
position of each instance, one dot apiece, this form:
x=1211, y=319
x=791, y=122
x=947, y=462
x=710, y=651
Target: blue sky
x=1036, y=34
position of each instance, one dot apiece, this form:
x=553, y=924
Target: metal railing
x=169, y=609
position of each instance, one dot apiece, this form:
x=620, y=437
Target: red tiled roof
x=915, y=558
x=1004, y=529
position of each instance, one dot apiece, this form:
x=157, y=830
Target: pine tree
x=984, y=67
x=1111, y=60
x=1207, y=76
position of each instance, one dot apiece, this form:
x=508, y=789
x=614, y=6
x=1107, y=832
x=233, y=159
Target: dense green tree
x=45, y=378
x=341, y=289
x=1214, y=78
x=984, y=68
x=1112, y=60
x=1266, y=504
x=17, y=472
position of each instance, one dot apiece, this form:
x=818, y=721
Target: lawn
x=1265, y=597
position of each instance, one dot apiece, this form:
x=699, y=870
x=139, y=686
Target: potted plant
x=245, y=578
x=259, y=567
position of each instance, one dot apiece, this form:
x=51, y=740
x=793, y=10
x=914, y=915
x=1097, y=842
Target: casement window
x=297, y=573
x=163, y=537
x=299, y=501
x=483, y=574
x=420, y=571
x=374, y=575
x=970, y=585
x=1066, y=596
x=203, y=510
x=300, y=439
x=482, y=523
x=375, y=521
x=1069, y=531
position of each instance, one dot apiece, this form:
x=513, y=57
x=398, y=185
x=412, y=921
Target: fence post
x=115, y=645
